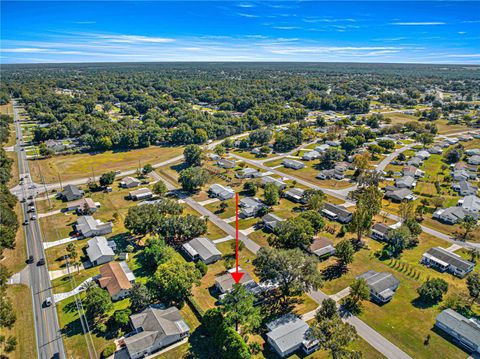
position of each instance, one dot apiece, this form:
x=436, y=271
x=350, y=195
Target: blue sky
x=120, y=31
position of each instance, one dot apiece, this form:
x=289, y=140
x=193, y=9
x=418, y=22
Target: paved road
x=343, y=194
x=386, y=161
x=48, y=336
x=367, y=333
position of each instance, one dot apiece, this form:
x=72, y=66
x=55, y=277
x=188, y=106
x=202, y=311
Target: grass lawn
x=213, y=232
x=23, y=328
x=58, y=226
x=81, y=165
x=15, y=179
x=445, y=128
x=63, y=284
x=398, y=117
x=389, y=319
x=55, y=255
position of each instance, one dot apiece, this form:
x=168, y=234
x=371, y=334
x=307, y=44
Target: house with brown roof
x=117, y=278
x=321, y=247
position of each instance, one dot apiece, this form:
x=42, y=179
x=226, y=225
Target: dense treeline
x=137, y=105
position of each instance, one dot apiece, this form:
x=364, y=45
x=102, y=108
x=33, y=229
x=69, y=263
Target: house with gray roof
x=224, y=163
x=474, y=160
x=321, y=247
x=405, y=182
x=382, y=285
x=470, y=204
x=155, y=328
x=129, y=182
x=295, y=194
x=100, y=251
x=472, y=152
x=465, y=188
x=202, y=248
x=462, y=174
x=221, y=192
x=293, y=164
x=465, y=332
x=225, y=282
x=290, y=333
x=380, y=231
x=422, y=155
x=247, y=173
x=446, y=261
x=450, y=215
x=87, y=226
x=140, y=194
x=268, y=179
x=270, y=221
x=322, y=148
x=412, y=171
x=310, y=155
x=435, y=150
x=71, y=193
x=336, y=213
x=399, y=194
x=250, y=206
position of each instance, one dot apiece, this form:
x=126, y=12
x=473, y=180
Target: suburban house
x=268, y=179
x=465, y=138
x=71, y=193
x=422, y=154
x=465, y=332
x=225, y=282
x=289, y=333
x=247, y=173
x=399, y=194
x=445, y=261
x=321, y=247
x=465, y=188
x=221, y=192
x=295, y=195
x=472, y=152
x=333, y=143
x=56, y=145
x=155, y=328
x=451, y=140
x=129, y=182
x=293, y=164
x=100, y=251
x=336, y=213
x=83, y=206
x=435, y=150
x=474, y=160
x=329, y=174
x=270, y=221
x=415, y=161
x=405, y=182
x=87, y=226
x=310, y=155
x=382, y=285
x=249, y=206
x=470, y=204
x=380, y=231
x=412, y=171
x=202, y=248
x=223, y=163
x=117, y=278
x=322, y=148
x=140, y=194
x=449, y=215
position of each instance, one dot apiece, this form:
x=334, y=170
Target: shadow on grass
x=334, y=271
x=421, y=304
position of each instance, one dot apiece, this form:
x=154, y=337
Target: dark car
x=30, y=260
x=41, y=262
x=25, y=223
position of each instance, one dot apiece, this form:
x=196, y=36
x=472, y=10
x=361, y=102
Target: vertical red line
x=236, y=230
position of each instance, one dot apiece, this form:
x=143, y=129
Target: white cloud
x=133, y=39
x=419, y=23
x=247, y=15
x=285, y=27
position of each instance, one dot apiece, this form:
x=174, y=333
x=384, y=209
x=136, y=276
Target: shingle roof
x=380, y=281
x=459, y=324
x=450, y=258
x=226, y=282
x=114, y=278
x=202, y=246
x=338, y=210
x=288, y=332
x=98, y=247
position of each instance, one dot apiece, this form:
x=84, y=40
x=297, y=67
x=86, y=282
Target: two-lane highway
x=47, y=329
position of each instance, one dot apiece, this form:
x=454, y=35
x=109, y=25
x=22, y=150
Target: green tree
x=160, y=188
x=359, y=291
x=314, y=199
x=314, y=218
x=271, y=194
x=239, y=309
x=292, y=233
x=107, y=178
x=140, y=297
x=469, y=225
x=294, y=271
x=250, y=188
x=432, y=290
x=344, y=252
x=97, y=303
x=193, y=155
x=220, y=150
x=193, y=178
x=148, y=168
x=473, y=285
x=122, y=316
x=368, y=205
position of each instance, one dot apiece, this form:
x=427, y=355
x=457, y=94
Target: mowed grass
x=75, y=166
x=392, y=319
x=23, y=329
x=14, y=259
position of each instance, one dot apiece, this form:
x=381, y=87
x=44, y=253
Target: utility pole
x=60, y=180
x=93, y=174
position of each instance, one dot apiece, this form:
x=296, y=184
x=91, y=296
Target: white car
x=48, y=302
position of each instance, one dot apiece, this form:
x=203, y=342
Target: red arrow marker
x=236, y=275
